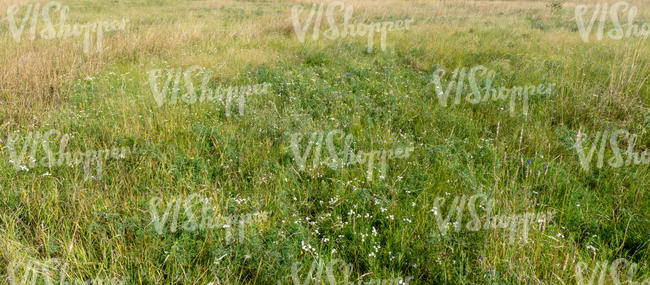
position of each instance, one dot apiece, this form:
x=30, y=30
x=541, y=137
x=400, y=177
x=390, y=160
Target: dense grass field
x=343, y=159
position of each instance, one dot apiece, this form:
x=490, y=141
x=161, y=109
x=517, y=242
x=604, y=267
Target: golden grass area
x=30, y=66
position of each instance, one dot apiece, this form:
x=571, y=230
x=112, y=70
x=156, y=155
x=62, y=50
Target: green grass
x=103, y=228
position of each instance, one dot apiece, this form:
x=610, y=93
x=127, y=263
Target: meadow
x=167, y=148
